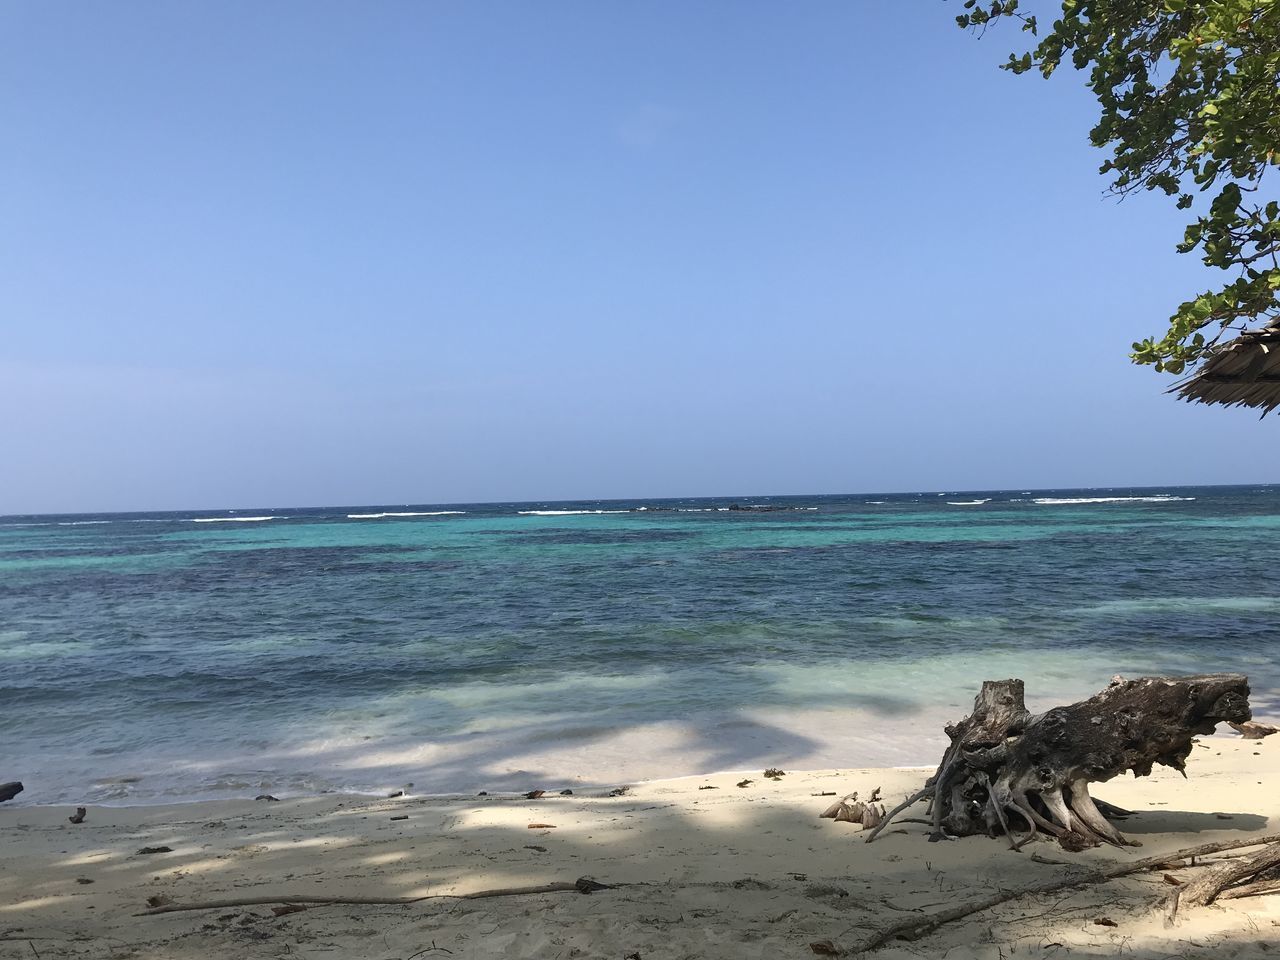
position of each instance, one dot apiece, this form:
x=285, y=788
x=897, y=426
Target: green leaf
x=1208, y=122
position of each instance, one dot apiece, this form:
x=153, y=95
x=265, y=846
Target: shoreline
x=514, y=760
x=715, y=868
x=349, y=797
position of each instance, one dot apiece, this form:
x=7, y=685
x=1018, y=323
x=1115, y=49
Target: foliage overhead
x=1190, y=98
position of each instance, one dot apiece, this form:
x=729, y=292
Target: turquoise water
x=176, y=656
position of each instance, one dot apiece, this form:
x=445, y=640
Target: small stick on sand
x=581, y=885
x=916, y=927
x=1214, y=882
x=1258, y=889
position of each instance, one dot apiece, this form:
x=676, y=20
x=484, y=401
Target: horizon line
x=580, y=500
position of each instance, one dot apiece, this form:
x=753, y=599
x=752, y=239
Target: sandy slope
x=730, y=872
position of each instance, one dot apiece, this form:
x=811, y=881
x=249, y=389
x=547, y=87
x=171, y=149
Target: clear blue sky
x=305, y=252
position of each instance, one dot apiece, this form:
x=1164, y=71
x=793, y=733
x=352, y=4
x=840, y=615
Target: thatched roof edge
x=1244, y=372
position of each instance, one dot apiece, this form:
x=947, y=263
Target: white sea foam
x=873, y=501
x=231, y=519
x=1180, y=606
x=378, y=516
x=80, y=523
x=1056, y=502
x=563, y=513
x=967, y=503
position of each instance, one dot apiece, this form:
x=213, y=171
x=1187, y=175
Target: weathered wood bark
x=9, y=790
x=999, y=716
x=1007, y=772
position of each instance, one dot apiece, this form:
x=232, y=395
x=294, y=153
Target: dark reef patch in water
x=605, y=537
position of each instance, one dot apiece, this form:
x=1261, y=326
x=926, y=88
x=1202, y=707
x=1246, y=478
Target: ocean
x=164, y=657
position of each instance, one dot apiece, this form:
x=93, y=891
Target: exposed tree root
x=914, y=798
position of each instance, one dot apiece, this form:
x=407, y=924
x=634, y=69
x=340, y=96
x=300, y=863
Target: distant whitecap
x=231, y=519
x=1057, y=502
x=427, y=513
x=563, y=513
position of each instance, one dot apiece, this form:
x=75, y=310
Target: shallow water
x=148, y=657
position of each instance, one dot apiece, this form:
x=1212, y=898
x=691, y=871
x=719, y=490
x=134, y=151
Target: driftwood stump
x=9, y=790
x=1252, y=730
x=1008, y=772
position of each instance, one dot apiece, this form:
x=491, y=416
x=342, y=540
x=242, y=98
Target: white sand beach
x=704, y=868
